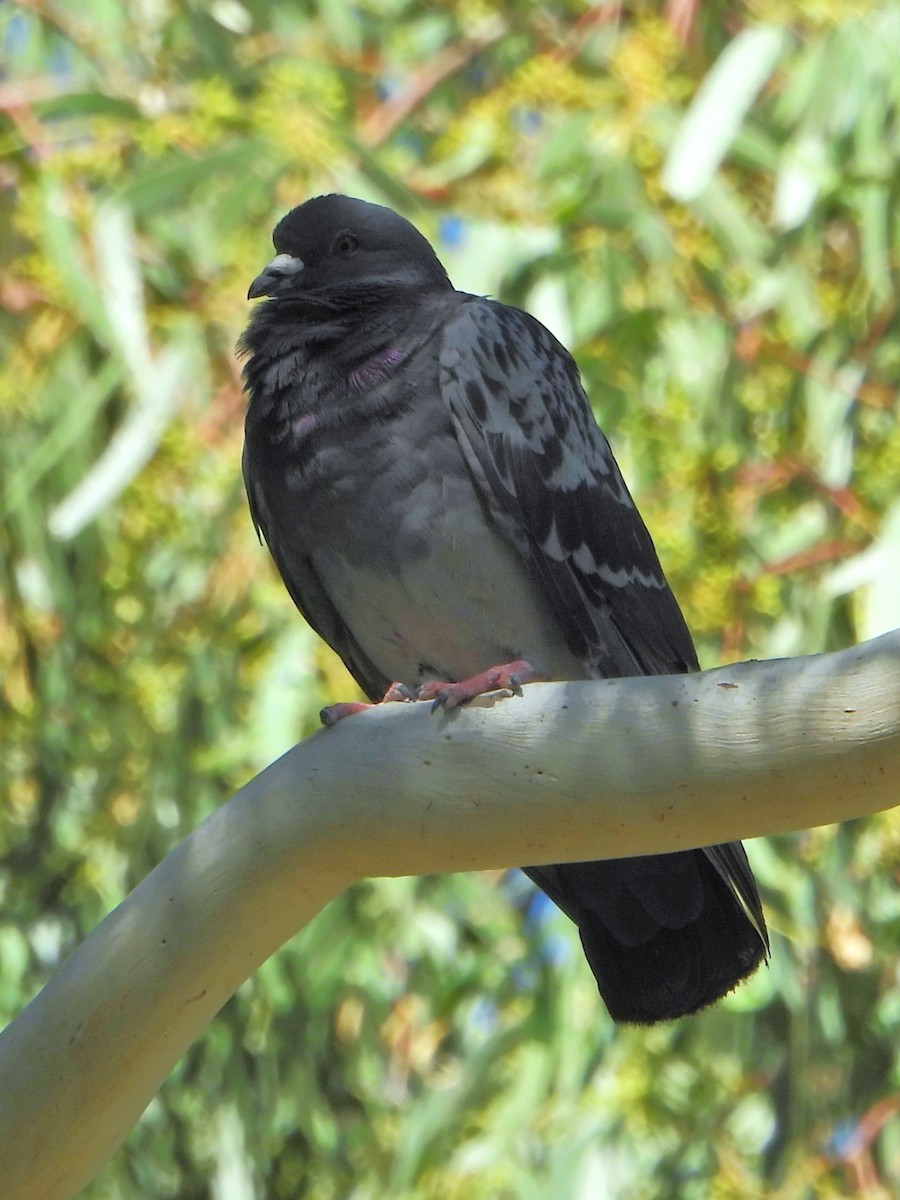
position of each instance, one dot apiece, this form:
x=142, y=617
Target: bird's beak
x=276, y=277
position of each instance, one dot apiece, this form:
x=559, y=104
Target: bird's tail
x=665, y=935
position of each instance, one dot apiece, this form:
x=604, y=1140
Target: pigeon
x=427, y=474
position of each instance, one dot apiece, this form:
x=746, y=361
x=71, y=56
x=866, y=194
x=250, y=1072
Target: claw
x=510, y=676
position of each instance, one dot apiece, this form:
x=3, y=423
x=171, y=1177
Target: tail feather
x=665, y=935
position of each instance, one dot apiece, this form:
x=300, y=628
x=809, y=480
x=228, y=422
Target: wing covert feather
x=549, y=480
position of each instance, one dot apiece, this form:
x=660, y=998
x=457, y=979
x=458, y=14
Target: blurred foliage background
x=703, y=201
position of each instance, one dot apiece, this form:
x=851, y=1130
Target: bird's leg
x=508, y=675
x=397, y=693
x=511, y=676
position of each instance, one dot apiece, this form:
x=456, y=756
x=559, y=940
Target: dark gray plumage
x=427, y=474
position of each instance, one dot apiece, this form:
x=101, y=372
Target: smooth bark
x=569, y=771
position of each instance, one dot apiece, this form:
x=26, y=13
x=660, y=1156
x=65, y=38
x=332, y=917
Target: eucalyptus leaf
x=718, y=109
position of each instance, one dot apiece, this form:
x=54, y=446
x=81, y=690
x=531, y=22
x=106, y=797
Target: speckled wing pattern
x=549, y=479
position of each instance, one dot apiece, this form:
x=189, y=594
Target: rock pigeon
x=427, y=474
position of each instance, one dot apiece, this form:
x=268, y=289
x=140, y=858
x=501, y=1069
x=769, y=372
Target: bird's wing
x=548, y=479
x=306, y=590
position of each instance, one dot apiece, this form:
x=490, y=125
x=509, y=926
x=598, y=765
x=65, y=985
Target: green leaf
x=86, y=104
x=719, y=107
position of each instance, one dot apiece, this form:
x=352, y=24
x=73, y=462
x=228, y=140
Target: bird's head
x=338, y=249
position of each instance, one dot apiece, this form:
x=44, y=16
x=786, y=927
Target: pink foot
x=332, y=713
x=452, y=695
x=396, y=693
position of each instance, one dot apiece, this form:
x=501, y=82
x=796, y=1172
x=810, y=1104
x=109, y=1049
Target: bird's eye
x=345, y=243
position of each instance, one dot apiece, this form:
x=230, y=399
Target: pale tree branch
x=569, y=771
